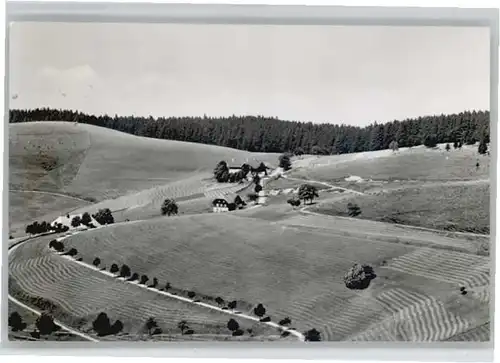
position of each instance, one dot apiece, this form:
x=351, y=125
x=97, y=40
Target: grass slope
x=99, y=163
x=79, y=294
x=295, y=272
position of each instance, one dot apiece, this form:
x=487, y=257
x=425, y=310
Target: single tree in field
x=114, y=268
x=102, y=324
x=483, y=147
x=182, y=325
x=76, y=221
x=169, y=207
x=86, y=219
x=285, y=162
x=96, y=262
x=219, y=300
x=151, y=324
x=307, y=192
x=359, y=276
x=455, y=144
x=447, y=147
x=259, y=310
x=125, y=271
x=232, y=304
x=353, y=210
x=45, y=324
x=16, y=322
x=233, y=325
x=312, y=335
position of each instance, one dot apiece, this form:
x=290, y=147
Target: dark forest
x=266, y=134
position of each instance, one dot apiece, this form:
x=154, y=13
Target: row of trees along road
x=270, y=134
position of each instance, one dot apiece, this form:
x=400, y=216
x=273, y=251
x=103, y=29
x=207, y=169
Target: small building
x=228, y=203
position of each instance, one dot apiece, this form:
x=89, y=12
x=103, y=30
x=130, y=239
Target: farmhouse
x=227, y=203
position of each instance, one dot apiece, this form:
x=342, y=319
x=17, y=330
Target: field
x=290, y=259
x=432, y=206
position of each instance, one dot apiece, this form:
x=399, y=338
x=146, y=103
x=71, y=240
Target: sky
x=336, y=74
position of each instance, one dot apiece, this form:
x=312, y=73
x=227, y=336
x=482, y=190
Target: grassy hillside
x=298, y=272
x=98, y=163
x=417, y=163
x=79, y=295
x=463, y=208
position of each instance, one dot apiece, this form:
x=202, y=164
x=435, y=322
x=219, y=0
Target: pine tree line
x=267, y=134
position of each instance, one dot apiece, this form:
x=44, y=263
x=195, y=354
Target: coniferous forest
x=267, y=134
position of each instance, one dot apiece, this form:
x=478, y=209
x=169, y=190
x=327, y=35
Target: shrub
x=312, y=335
x=116, y=328
x=168, y=286
x=182, y=325
x=447, y=147
x=359, y=277
x=252, y=197
x=189, y=332
x=45, y=324
x=191, y=294
x=455, y=144
x=151, y=324
x=104, y=216
x=238, y=333
x=96, y=262
x=232, y=304
x=56, y=245
x=293, y=202
x=134, y=277
x=233, y=325
x=86, y=220
x=144, y=279
x=76, y=221
x=353, y=210
x=258, y=188
x=307, y=192
x=259, y=310
x=114, y=268
x=285, y=334
x=102, y=325
x=265, y=320
x=285, y=321
x=169, y=207
x=124, y=271
x=72, y=252
x=285, y=162
x=219, y=300
x=16, y=322
x=483, y=147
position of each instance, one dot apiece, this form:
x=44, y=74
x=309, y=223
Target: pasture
x=306, y=268
x=437, y=206
x=417, y=163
